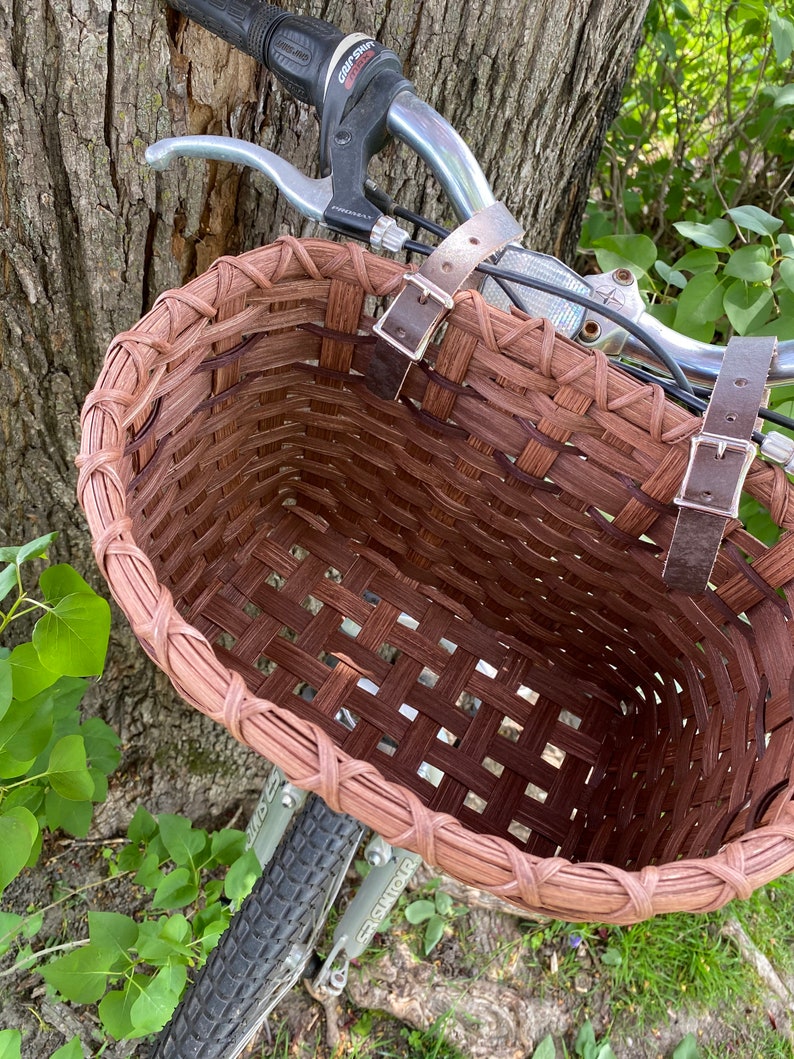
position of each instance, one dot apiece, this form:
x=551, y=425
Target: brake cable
x=678, y=387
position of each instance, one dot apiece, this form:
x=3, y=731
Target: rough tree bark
x=89, y=236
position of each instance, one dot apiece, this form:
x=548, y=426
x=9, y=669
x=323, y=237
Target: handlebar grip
x=245, y=25
x=298, y=49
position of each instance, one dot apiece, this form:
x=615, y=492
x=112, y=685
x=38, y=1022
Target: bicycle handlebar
x=332, y=71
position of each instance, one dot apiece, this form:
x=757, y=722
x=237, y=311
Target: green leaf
x=157, y=1000
x=68, y=771
x=101, y=744
x=782, y=35
x=10, y=926
x=58, y=582
x=142, y=827
x=32, y=550
x=635, y=252
x=443, y=903
x=420, y=911
x=163, y=940
x=115, y=934
x=785, y=243
x=213, y=890
x=10, y=1044
x=241, y=877
x=32, y=924
x=177, y=889
x=747, y=306
x=671, y=276
x=755, y=220
x=115, y=1008
x=185, y=843
x=71, y=816
x=73, y=637
x=699, y=306
x=784, y=97
x=434, y=932
x=8, y=580
x=717, y=235
x=612, y=958
x=73, y=1049
x=209, y=923
x=687, y=1049
x=546, y=1049
x=6, y=685
x=149, y=874
x=30, y=795
x=701, y=260
x=786, y=269
x=130, y=858
x=585, y=1038
x=19, y=830
x=227, y=845
x=81, y=975
x=750, y=263
x=28, y=673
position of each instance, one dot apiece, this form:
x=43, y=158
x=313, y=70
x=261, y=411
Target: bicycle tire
x=247, y=973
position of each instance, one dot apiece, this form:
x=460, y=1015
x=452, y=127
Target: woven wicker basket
x=473, y=571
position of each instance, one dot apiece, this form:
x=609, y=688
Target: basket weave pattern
x=473, y=572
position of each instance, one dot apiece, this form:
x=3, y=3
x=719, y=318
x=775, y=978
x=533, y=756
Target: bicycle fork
x=391, y=869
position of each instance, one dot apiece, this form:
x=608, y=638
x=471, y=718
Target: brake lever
x=311, y=196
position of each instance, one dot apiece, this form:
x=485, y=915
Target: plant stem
x=34, y=957
x=61, y=900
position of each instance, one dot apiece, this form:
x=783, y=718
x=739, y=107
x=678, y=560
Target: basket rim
x=552, y=886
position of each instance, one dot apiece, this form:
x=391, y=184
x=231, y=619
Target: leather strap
x=410, y=321
x=719, y=459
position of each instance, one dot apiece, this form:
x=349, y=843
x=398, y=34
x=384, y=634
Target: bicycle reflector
x=566, y=317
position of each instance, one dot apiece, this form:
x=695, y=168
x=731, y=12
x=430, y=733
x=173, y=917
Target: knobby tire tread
x=230, y=997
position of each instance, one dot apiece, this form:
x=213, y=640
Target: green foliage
x=53, y=766
x=436, y=912
x=136, y=969
x=705, y=121
x=732, y=275
x=687, y=1049
x=430, y=1043
x=586, y=1046
x=693, y=190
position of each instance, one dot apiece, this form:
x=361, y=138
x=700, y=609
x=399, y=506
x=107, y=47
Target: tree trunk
x=90, y=235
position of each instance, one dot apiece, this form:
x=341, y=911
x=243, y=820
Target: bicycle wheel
x=268, y=942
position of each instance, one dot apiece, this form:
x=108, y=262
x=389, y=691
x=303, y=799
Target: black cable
x=699, y=403
x=638, y=331
x=693, y=397
x=418, y=221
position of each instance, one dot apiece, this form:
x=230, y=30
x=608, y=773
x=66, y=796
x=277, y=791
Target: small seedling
x=436, y=913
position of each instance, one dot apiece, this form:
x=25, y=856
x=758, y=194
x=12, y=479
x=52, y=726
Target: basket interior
x=463, y=587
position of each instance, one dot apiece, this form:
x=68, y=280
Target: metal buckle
x=703, y=499
x=430, y=290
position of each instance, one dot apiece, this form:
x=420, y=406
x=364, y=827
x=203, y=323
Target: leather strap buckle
x=719, y=459
x=407, y=326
